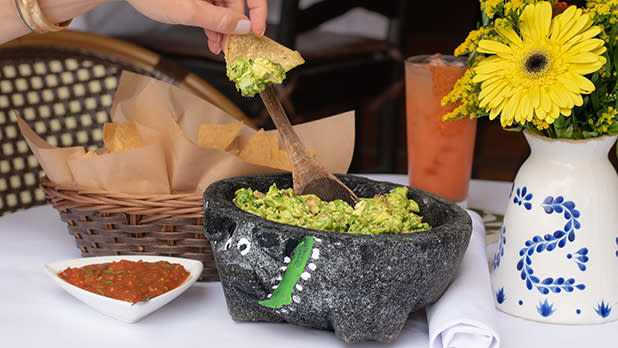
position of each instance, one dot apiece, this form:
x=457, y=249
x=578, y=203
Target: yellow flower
x=603, y=123
x=540, y=125
x=490, y=7
x=514, y=6
x=540, y=74
x=605, y=13
x=474, y=36
x=465, y=93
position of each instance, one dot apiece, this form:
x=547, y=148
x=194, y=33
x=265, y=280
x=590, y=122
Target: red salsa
x=131, y=281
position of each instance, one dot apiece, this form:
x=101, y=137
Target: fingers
x=223, y=19
x=199, y=13
x=215, y=41
x=216, y=17
x=258, y=11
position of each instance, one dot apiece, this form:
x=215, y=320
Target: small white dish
x=123, y=310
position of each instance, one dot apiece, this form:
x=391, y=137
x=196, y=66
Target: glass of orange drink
x=439, y=152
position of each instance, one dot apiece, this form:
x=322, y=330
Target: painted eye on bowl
x=228, y=244
x=244, y=246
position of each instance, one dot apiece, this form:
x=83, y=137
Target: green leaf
x=586, y=102
x=560, y=122
x=513, y=129
x=568, y=132
x=612, y=36
x=484, y=18
x=471, y=58
x=594, y=98
x=589, y=134
x=563, y=127
x=614, y=58
x=613, y=129
x=595, y=77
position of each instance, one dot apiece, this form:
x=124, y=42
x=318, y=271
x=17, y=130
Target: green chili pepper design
x=282, y=296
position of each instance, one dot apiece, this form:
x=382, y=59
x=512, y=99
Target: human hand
x=216, y=17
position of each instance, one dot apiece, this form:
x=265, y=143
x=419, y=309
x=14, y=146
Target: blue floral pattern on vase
x=548, y=243
x=500, y=250
x=580, y=257
x=545, y=309
x=603, y=309
x=500, y=296
x=523, y=197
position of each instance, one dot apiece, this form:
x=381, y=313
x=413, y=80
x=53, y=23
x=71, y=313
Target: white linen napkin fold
x=465, y=316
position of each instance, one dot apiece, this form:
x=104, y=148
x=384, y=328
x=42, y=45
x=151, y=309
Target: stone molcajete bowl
x=361, y=286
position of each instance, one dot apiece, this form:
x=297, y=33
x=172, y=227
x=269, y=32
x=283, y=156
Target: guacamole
x=252, y=75
x=390, y=213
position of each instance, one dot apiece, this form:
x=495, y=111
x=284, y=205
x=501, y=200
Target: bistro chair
x=62, y=84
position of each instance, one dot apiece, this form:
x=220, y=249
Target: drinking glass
x=439, y=152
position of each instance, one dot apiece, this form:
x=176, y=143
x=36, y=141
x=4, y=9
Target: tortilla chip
x=121, y=136
x=95, y=152
x=91, y=153
x=282, y=161
x=278, y=158
x=254, y=150
x=273, y=145
x=263, y=149
x=249, y=45
x=218, y=136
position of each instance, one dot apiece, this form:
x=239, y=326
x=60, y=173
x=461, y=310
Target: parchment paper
x=167, y=119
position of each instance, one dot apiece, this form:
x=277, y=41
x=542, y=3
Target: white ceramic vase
x=557, y=256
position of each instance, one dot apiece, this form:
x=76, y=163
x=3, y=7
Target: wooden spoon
x=308, y=176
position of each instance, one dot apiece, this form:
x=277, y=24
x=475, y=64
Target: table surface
x=35, y=312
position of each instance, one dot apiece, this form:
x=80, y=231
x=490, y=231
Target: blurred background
x=354, y=52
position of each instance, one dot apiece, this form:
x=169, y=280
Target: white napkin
x=465, y=316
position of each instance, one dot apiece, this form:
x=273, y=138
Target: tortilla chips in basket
x=162, y=139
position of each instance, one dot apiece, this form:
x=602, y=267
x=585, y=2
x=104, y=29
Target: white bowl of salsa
x=124, y=272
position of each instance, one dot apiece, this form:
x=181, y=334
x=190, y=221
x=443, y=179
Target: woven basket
x=109, y=223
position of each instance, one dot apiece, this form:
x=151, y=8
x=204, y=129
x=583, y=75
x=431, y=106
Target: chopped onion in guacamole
x=390, y=213
x=252, y=75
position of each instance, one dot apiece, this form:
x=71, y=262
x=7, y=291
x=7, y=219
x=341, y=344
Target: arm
x=217, y=17
x=56, y=11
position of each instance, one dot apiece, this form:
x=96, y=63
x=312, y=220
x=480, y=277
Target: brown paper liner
x=170, y=161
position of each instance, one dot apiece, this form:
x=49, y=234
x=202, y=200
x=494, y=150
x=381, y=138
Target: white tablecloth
x=35, y=312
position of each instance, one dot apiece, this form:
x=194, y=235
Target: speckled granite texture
x=361, y=287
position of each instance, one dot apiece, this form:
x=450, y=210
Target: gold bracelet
x=33, y=18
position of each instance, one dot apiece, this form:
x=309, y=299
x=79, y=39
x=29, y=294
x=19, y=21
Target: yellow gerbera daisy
x=540, y=74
